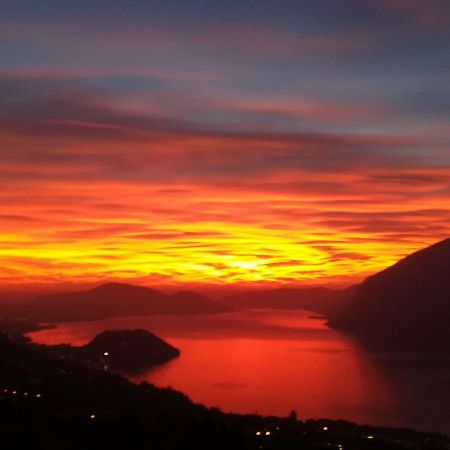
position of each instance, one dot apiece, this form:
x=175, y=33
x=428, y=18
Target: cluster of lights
x=16, y=392
x=263, y=433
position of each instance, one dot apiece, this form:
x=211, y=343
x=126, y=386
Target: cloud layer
x=184, y=148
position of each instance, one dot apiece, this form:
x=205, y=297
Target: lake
x=273, y=361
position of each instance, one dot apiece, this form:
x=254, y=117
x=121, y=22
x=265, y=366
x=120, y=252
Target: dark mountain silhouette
x=119, y=349
x=406, y=306
x=188, y=302
x=318, y=299
x=117, y=299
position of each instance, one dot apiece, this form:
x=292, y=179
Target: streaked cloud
x=299, y=146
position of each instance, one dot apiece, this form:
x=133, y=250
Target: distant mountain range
x=118, y=299
x=406, y=306
x=318, y=299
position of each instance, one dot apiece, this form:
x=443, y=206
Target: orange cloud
x=213, y=233
x=92, y=192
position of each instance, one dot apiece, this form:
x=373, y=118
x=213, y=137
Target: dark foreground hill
x=406, y=306
x=51, y=404
x=318, y=299
x=120, y=350
x=116, y=299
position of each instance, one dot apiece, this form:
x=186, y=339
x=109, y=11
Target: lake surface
x=272, y=361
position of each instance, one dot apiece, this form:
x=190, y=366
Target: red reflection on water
x=266, y=361
x=272, y=377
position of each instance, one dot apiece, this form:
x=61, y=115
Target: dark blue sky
x=385, y=55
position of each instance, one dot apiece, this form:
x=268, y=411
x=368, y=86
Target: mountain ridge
x=317, y=299
x=118, y=299
x=392, y=308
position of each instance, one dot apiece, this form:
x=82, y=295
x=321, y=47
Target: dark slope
x=318, y=299
x=117, y=299
x=406, y=306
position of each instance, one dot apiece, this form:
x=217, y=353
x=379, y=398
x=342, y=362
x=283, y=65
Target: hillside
x=406, y=306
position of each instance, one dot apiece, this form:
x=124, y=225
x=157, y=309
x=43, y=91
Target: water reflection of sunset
x=266, y=361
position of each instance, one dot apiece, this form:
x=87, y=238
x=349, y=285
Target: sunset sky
x=204, y=142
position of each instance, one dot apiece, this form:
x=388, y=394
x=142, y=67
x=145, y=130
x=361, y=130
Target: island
x=124, y=350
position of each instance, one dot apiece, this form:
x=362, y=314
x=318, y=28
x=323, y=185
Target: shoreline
x=28, y=327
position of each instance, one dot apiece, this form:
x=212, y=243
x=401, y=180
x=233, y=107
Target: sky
x=203, y=142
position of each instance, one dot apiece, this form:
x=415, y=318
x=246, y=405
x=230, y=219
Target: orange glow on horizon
x=229, y=147
x=160, y=234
